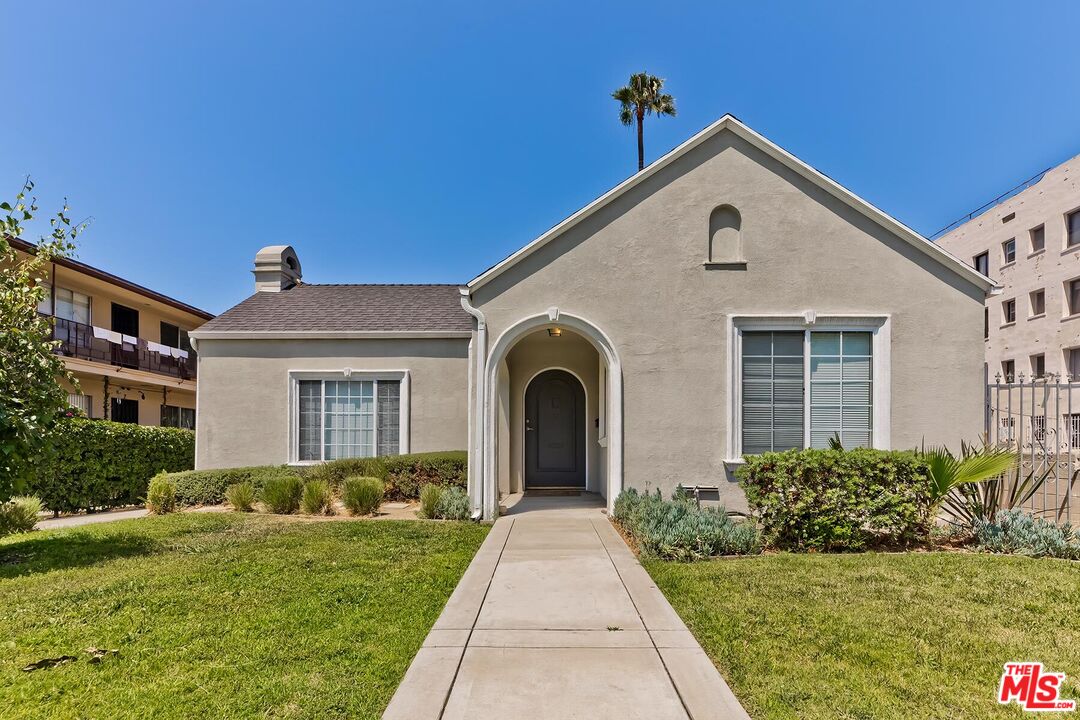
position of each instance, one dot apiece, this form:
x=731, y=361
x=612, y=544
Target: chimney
x=276, y=268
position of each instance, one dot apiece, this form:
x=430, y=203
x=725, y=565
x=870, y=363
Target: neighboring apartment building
x=1030, y=244
x=126, y=344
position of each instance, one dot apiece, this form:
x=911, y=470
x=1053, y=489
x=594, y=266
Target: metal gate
x=1039, y=418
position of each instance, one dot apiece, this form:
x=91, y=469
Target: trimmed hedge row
x=838, y=499
x=93, y=464
x=207, y=487
x=403, y=475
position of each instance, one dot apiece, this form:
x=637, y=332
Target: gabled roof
x=730, y=122
x=309, y=311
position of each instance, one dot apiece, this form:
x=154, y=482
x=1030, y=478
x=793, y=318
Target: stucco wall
x=1055, y=332
x=635, y=270
x=243, y=415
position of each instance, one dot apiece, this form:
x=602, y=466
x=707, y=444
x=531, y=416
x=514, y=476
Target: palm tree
x=640, y=97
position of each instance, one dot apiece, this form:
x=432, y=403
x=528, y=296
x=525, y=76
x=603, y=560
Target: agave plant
x=981, y=481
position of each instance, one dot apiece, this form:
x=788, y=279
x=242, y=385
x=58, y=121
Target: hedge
x=207, y=487
x=837, y=499
x=403, y=475
x=92, y=464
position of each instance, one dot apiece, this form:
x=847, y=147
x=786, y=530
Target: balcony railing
x=77, y=340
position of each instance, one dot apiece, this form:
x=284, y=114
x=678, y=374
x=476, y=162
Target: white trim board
x=730, y=122
x=880, y=326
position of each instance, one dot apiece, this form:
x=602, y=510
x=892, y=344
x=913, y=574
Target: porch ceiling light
x=555, y=332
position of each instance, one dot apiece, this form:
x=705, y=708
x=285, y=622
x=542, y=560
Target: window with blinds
x=840, y=388
x=789, y=376
x=772, y=391
x=348, y=418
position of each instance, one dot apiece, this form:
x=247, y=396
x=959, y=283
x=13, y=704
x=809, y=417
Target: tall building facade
x=1029, y=243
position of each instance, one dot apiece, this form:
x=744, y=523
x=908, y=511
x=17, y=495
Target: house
x=126, y=344
x=1029, y=241
x=726, y=300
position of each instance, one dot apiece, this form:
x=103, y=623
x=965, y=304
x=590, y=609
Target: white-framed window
x=1008, y=251
x=344, y=414
x=799, y=384
x=84, y=403
x=70, y=305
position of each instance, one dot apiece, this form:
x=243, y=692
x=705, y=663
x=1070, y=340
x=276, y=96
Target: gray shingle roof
x=348, y=308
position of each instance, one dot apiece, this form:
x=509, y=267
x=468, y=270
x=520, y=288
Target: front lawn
x=222, y=615
x=918, y=635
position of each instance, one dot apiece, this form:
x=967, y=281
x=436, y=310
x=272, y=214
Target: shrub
x=282, y=494
x=681, y=529
x=362, y=495
x=207, y=487
x=317, y=498
x=407, y=474
x=1014, y=531
x=837, y=499
x=430, y=497
x=335, y=472
x=241, y=496
x=161, y=495
x=96, y=463
x=19, y=514
x=454, y=504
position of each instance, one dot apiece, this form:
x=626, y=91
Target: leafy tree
x=31, y=398
x=640, y=97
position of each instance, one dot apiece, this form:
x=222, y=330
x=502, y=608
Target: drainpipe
x=476, y=451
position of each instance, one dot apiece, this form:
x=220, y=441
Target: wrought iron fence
x=1039, y=418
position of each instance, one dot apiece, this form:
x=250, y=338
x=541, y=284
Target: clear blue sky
x=423, y=141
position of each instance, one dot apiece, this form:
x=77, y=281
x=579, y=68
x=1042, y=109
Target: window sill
x=1071, y=249
x=1070, y=317
x=733, y=265
x=1007, y=265
x=734, y=462
x=1036, y=253
x=1036, y=317
x=1008, y=324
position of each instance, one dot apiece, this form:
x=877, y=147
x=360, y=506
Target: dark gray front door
x=555, y=431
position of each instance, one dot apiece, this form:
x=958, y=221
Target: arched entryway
x=554, y=432
x=501, y=387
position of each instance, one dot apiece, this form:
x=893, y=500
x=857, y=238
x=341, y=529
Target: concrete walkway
x=555, y=618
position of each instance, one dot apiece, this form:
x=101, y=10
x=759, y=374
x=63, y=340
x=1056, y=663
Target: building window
x=1038, y=365
x=982, y=263
x=345, y=418
x=1038, y=303
x=178, y=417
x=1038, y=239
x=1073, y=364
x=1072, y=296
x=1008, y=370
x=1008, y=251
x=1007, y=429
x=1038, y=428
x=1008, y=311
x=1074, y=431
x=70, y=305
x=1072, y=226
x=124, y=410
x=776, y=366
x=82, y=403
x=986, y=323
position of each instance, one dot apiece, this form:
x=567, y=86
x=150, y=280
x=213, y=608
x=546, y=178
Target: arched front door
x=555, y=431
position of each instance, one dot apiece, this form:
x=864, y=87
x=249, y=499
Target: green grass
x=918, y=635
x=222, y=615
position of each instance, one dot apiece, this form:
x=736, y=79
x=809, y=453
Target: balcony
x=77, y=341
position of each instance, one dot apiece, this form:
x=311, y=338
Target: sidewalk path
x=555, y=618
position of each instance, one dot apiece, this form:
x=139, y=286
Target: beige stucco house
x=727, y=300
